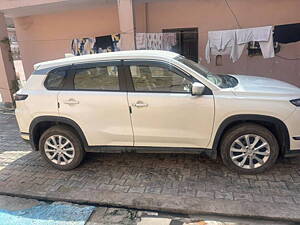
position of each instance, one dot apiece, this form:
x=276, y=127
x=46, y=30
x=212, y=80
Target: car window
x=97, y=78
x=158, y=79
x=222, y=81
x=55, y=79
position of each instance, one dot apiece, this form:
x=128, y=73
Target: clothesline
x=70, y=39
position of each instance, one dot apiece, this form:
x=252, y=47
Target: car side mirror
x=197, y=88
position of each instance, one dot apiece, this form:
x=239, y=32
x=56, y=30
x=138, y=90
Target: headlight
x=296, y=102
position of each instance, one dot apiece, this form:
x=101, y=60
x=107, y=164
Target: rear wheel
x=61, y=148
x=249, y=148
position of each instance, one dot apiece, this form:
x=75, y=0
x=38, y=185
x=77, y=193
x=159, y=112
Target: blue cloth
x=48, y=214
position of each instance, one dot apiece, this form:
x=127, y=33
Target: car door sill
x=145, y=149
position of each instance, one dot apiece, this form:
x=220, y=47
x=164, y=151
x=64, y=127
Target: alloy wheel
x=59, y=149
x=250, y=151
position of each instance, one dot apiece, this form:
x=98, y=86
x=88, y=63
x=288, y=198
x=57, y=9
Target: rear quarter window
x=55, y=79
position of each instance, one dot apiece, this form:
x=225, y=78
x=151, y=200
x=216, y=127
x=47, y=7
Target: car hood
x=255, y=85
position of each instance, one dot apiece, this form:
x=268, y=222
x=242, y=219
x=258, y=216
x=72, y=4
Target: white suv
x=156, y=101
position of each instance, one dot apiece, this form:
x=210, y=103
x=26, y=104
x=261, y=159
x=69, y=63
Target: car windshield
x=222, y=81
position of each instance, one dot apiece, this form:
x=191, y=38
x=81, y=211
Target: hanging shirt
x=75, y=46
x=263, y=35
x=287, y=33
x=221, y=43
x=89, y=45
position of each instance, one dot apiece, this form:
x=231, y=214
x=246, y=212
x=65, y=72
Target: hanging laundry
x=169, y=40
x=233, y=42
x=141, y=41
x=221, y=43
x=154, y=41
x=287, y=33
x=263, y=35
x=89, y=45
x=116, y=39
x=82, y=46
x=75, y=46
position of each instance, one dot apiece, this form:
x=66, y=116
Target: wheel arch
x=275, y=125
x=42, y=123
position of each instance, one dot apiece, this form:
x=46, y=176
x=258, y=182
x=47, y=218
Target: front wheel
x=61, y=148
x=249, y=148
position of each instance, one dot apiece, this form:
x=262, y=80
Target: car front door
x=164, y=113
x=96, y=99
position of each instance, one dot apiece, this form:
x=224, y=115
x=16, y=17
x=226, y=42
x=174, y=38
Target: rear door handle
x=140, y=104
x=71, y=101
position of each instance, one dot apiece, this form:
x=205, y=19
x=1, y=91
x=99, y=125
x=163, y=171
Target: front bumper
x=25, y=136
x=293, y=125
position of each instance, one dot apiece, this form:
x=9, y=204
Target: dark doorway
x=187, y=42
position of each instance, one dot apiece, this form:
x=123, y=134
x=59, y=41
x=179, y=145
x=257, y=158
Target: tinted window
x=55, y=79
x=97, y=78
x=158, y=79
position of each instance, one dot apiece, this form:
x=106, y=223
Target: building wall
x=215, y=15
x=48, y=36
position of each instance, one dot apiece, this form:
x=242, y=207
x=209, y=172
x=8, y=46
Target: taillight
x=20, y=97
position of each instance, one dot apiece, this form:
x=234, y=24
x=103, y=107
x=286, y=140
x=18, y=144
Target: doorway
x=187, y=42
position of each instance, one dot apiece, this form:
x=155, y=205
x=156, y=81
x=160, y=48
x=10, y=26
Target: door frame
x=71, y=70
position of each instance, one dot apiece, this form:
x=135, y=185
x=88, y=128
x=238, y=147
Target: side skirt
x=292, y=153
x=145, y=149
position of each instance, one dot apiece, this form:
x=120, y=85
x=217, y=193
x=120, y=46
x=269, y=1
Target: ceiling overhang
x=48, y=6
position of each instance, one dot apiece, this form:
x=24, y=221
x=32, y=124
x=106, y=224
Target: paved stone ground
x=177, y=183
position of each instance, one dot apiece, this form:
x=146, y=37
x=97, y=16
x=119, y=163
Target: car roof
x=133, y=54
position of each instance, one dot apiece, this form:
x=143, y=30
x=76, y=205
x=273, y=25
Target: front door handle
x=71, y=101
x=140, y=104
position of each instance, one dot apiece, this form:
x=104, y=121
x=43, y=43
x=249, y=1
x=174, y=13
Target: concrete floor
x=121, y=216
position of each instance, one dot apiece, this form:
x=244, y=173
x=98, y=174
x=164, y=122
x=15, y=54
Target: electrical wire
x=233, y=14
x=70, y=39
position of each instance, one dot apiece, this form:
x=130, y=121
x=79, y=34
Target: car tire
x=249, y=142
x=52, y=142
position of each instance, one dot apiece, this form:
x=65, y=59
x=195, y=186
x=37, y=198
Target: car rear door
x=164, y=113
x=95, y=97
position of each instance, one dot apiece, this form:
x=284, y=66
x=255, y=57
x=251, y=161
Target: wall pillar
x=127, y=26
x=7, y=71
